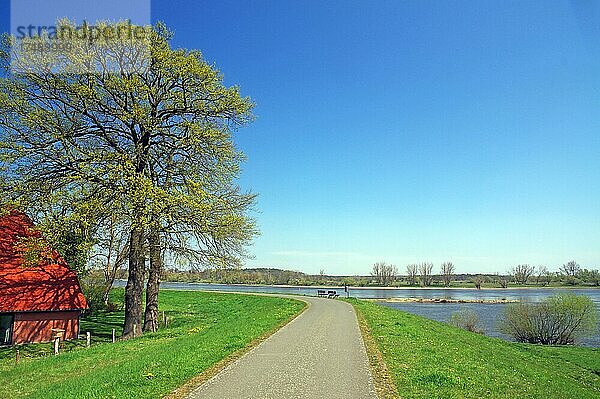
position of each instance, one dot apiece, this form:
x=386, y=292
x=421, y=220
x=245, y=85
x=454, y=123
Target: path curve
x=320, y=354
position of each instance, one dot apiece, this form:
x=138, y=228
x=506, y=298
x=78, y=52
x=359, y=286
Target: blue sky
x=410, y=131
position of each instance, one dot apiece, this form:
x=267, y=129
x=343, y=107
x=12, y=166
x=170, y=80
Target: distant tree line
x=263, y=276
x=569, y=273
x=385, y=274
x=422, y=274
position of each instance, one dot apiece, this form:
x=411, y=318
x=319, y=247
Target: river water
x=488, y=312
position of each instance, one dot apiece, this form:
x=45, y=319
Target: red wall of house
x=37, y=326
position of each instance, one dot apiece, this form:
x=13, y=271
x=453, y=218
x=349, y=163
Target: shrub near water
x=558, y=320
x=466, y=319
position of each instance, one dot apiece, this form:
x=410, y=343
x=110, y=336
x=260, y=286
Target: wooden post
x=56, y=345
x=134, y=330
x=88, y=339
x=164, y=318
x=113, y=336
x=17, y=356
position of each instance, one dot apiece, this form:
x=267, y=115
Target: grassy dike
x=205, y=328
x=427, y=359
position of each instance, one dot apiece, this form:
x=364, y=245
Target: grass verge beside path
x=428, y=359
x=204, y=328
x=382, y=379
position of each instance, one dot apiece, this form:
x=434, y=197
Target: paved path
x=318, y=355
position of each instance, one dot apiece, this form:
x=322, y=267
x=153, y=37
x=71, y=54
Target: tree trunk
x=153, y=286
x=135, y=284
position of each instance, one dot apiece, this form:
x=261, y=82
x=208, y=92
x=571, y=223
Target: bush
x=466, y=319
x=558, y=320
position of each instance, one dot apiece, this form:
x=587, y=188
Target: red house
x=37, y=301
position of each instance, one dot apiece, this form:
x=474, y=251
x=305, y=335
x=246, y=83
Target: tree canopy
x=150, y=142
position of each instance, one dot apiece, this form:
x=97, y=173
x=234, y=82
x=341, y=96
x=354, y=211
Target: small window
x=6, y=327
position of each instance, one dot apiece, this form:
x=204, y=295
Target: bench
x=328, y=294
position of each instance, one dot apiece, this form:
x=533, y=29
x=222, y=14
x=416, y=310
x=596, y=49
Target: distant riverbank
x=121, y=283
x=444, y=300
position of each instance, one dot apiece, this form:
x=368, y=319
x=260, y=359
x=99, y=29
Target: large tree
x=384, y=273
x=521, y=273
x=447, y=272
x=150, y=141
x=426, y=273
x=570, y=269
x=411, y=272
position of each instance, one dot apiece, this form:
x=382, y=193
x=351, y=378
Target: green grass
x=428, y=359
x=204, y=328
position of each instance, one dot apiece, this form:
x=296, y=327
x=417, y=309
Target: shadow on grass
x=99, y=324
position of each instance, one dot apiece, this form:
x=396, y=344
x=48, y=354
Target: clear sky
x=410, y=131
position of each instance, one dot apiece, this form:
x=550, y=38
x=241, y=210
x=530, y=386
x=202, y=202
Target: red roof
x=48, y=286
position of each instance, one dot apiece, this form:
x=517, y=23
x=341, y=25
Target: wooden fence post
x=164, y=318
x=56, y=345
x=17, y=357
x=88, y=339
x=113, y=336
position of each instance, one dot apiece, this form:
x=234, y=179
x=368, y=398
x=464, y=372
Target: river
x=488, y=312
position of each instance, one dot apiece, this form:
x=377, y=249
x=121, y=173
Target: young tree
x=152, y=139
x=425, y=270
x=502, y=281
x=478, y=280
x=110, y=251
x=411, y=272
x=447, y=272
x=543, y=275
